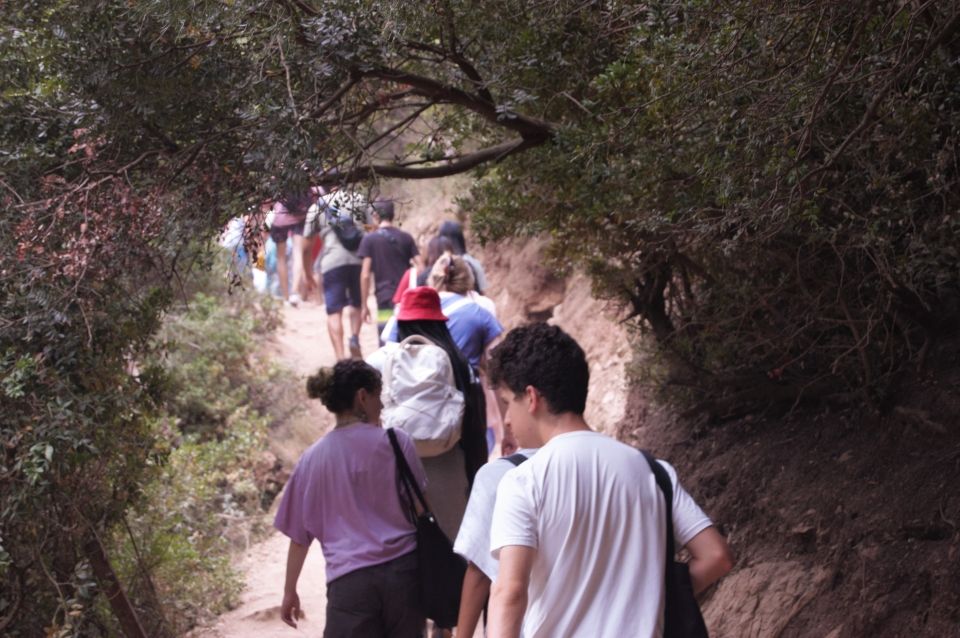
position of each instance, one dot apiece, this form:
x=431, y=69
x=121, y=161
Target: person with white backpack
x=428, y=385
x=421, y=317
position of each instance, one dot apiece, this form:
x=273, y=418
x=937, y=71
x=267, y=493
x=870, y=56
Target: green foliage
x=210, y=433
x=774, y=192
x=771, y=190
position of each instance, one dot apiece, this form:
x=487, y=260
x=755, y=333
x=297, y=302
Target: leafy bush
x=773, y=192
x=174, y=545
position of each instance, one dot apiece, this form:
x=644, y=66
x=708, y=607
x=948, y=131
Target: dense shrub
x=773, y=191
x=213, y=389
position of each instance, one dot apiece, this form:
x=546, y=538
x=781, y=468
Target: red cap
x=421, y=303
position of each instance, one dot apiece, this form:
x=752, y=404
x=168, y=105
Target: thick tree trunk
x=110, y=585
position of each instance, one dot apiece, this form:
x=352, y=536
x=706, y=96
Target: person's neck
x=554, y=425
x=347, y=419
x=386, y=223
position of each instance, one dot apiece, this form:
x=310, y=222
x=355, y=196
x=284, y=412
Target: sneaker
x=295, y=300
x=355, y=347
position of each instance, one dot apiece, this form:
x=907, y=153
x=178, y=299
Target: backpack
x=420, y=396
x=341, y=210
x=345, y=228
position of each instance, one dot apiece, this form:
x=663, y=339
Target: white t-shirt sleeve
x=514, y=515
x=473, y=539
x=688, y=519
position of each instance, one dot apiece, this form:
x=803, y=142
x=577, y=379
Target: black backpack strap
x=516, y=459
x=666, y=486
x=406, y=474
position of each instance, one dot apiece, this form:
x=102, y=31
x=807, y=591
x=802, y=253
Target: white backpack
x=420, y=396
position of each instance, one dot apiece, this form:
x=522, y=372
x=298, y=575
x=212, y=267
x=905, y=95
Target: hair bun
x=320, y=384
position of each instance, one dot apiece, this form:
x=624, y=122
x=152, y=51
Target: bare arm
x=290, y=608
x=711, y=558
x=473, y=596
x=508, y=600
x=366, y=270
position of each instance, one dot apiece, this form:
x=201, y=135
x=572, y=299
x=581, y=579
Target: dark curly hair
x=547, y=358
x=337, y=386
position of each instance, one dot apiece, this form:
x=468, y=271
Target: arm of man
x=290, y=607
x=508, y=599
x=710, y=560
x=366, y=277
x=473, y=596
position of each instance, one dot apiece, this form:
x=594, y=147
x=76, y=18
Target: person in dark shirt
x=387, y=253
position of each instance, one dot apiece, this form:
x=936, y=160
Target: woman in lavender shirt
x=343, y=493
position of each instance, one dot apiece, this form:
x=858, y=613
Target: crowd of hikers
x=461, y=485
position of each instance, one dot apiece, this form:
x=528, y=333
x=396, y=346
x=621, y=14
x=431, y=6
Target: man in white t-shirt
x=580, y=528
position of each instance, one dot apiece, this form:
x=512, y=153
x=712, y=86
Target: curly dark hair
x=337, y=386
x=547, y=358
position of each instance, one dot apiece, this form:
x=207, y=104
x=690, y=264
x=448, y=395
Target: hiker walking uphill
x=386, y=253
x=473, y=540
x=340, y=265
x=452, y=471
x=343, y=493
x=580, y=528
x=288, y=216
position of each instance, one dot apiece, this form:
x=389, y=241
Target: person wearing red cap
x=452, y=472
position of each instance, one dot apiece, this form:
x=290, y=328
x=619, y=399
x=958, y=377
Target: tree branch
x=869, y=115
x=461, y=165
x=527, y=127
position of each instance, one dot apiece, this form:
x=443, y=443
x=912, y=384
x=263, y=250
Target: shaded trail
x=302, y=345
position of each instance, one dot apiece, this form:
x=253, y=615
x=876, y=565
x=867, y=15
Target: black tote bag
x=681, y=617
x=440, y=569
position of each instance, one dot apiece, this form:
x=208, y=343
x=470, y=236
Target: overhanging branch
x=455, y=167
x=526, y=126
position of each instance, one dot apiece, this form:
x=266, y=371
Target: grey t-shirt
x=334, y=255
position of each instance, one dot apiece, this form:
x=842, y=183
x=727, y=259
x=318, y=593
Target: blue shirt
x=471, y=326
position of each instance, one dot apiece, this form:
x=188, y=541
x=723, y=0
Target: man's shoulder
x=494, y=471
x=586, y=447
x=399, y=232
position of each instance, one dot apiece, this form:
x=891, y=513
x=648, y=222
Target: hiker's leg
x=354, y=605
x=354, y=317
x=335, y=329
x=336, y=298
x=282, y=274
x=384, y=312
x=401, y=603
x=299, y=283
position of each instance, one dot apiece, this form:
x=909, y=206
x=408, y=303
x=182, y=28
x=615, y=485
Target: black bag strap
x=406, y=475
x=666, y=486
x=516, y=459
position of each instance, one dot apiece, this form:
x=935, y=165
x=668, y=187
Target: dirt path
x=304, y=346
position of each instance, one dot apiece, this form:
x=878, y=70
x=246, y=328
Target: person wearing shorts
x=340, y=270
x=289, y=215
